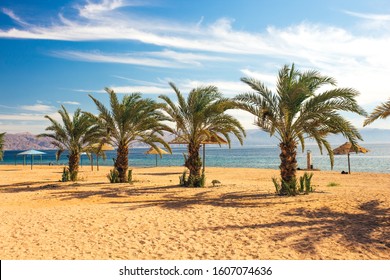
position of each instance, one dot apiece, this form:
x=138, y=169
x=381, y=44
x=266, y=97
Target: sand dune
x=43, y=218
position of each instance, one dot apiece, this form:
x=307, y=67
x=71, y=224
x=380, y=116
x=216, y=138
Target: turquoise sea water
x=376, y=160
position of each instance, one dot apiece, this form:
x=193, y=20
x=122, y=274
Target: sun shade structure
x=31, y=153
x=346, y=149
x=211, y=140
x=158, y=151
x=104, y=147
x=96, y=148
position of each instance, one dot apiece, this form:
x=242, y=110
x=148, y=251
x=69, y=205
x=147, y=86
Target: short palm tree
x=296, y=111
x=131, y=120
x=382, y=111
x=74, y=135
x=2, y=145
x=200, y=118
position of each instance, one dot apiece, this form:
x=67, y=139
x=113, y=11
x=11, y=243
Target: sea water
x=376, y=160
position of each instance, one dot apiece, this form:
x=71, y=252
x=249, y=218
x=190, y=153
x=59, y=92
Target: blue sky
x=58, y=52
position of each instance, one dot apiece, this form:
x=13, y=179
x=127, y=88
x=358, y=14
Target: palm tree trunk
x=122, y=162
x=288, y=167
x=74, y=159
x=193, y=162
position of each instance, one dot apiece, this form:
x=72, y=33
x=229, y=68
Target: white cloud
x=22, y=127
x=144, y=89
x=38, y=108
x=226, y=87
x=69, y=102
x=95, y=9
x=373, y=17
x=22, y=117
x=12, y=15
x=164, y=59
x=141, y=89
x=356, y=59
x=268, y=79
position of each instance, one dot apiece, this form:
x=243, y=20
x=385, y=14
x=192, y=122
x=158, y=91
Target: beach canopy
x=346, y=149
x=32, y=153
x=104, y=147
x=207, y=140
x=97, y=148
x=158, y=151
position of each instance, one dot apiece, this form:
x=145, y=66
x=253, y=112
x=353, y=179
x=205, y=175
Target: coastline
x=155, y=219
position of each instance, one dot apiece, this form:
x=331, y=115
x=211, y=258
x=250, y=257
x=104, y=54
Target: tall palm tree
x=2, y=145
x=382, y=111
x=74, y=134
x=296, y=111
x=131, y=120
x=199, y=118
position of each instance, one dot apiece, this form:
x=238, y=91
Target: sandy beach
x=347, y=217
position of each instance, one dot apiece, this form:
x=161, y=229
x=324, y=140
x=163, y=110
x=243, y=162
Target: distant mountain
x=259, y=137
x=25, y=141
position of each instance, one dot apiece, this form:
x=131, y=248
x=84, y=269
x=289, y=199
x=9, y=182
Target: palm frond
x=382, y=111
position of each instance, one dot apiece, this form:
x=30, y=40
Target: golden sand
x=42, y=218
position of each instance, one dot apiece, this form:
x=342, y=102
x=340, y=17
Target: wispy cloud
x=368, y=16
x=69, y=102
x=164, y=59
x=95, y=9
x=377, y=23
x=22, y=117
x=38, y=108
x=14, y=17
x=269, y=79
x=356, y=59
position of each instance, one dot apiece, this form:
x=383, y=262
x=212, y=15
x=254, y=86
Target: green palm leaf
x=382, y=111
x=130, y=120
x=296, y=111
x=201, y=117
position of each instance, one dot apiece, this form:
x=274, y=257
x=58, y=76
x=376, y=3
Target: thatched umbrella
x=97, y=148
x=212, y=140
x=346, y=149
x=158, y=151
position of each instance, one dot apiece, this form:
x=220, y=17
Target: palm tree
x=2, y=145
x=296, y=111
x=132, y=120
x=200, y=118
x=381, y=111
x=74, y=135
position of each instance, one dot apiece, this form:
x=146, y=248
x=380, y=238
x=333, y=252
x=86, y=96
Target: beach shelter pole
x=31, y=153
x=349, y=165
x=153, y=151
x=346, y=149
x=204, y=157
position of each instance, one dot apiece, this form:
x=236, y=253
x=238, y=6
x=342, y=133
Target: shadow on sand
x=369, y=229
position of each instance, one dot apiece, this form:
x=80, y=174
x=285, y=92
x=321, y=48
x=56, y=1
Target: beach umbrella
x=153, y=151
x=346, y=149
x=97, y=148
x=32, y=153
x=210, y=140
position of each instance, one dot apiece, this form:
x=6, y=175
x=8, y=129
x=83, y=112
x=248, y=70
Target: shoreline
x=153, y=218
x=108, y=167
